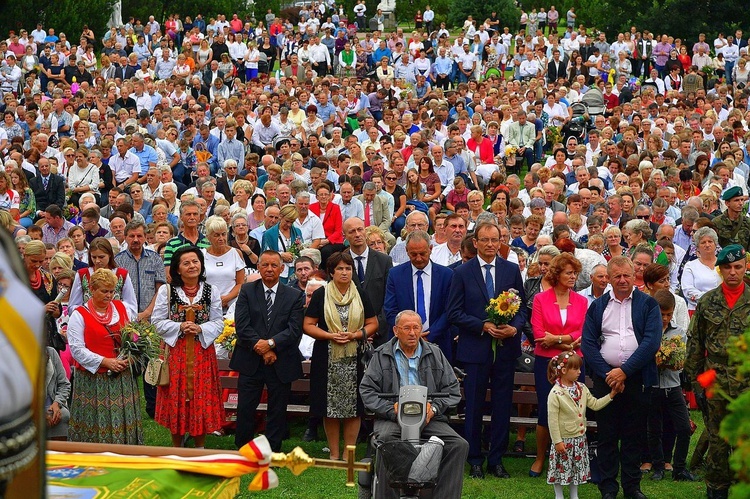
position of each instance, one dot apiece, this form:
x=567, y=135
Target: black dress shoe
x=636, y=495
x=609, y=495
x=499, y=471
x=476, y=471
x=657, y=475
x=310, y=435
x=684, y=476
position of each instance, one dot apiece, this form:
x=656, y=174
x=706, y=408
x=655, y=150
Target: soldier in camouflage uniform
x=732, y=226
x=721, y=313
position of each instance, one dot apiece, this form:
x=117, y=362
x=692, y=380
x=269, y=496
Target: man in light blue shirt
x=350, y=206
x=145, y=153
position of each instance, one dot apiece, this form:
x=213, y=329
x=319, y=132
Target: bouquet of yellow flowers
x=671, y=354
x=501, y=310
x=228, y=337
x=139, y=343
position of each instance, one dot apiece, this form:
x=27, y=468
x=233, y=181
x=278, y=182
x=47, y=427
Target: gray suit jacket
x=380, y=215
x=376, y=277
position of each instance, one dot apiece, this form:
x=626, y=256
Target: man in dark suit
x=488, y=352
x=621, y=336
x=269, y=326
x=48, y=188
x=556, y=68
x=370, y=272
x=197, y=88
x=422, y=286
x=211, y=73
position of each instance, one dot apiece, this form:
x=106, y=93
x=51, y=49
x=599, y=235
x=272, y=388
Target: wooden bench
x=300, y=387
x=520, y=396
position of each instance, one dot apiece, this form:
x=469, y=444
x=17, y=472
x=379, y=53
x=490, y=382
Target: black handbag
x=525, y=363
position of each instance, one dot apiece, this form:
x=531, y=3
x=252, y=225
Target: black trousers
x=250, y=389
x=668, y=402
x=443, y=81
x=621, y=426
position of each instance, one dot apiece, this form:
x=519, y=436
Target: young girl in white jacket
x=566, y=406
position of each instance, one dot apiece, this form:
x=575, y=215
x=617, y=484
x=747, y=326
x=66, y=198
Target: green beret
x=730, y=254
x=732, y=192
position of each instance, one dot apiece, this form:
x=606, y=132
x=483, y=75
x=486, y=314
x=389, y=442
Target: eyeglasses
x=390, y=178
x=644, y=217
x=230, y=167
x=417, y=226
x=488, y=240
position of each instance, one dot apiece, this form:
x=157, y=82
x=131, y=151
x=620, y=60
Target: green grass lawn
x=330, y=484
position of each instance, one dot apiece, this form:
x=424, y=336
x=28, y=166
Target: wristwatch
x=559, y=340
x=434, y=411
x=271, y=343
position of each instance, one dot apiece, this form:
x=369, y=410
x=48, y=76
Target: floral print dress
x=572, y=466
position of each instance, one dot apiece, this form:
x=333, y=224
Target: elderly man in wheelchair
x=419, y=371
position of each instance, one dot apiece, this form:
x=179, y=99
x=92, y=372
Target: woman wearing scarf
x=340, y=319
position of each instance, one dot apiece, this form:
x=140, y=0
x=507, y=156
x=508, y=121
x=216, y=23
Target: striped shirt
x=178, y=242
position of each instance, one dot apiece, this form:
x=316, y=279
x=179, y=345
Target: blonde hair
x=102, y=277
x=34, y=248
x=60, y=259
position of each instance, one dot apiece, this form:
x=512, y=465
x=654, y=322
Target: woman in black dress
x=340, y=318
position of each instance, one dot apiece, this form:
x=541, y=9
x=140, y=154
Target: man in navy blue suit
x=422, y=286
x=473, y=284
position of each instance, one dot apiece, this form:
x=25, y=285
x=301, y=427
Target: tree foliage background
x=507, y=12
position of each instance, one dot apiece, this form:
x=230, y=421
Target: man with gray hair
x=684, y=233
x=376, y=211
x=416, y=220
x=309, y=223
x=599, y=283
x=409, y=359
x=423, y=286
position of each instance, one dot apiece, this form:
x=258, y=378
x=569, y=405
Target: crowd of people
x=312, y=181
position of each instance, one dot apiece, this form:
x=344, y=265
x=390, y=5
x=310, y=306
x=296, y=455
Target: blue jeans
x=728, y=67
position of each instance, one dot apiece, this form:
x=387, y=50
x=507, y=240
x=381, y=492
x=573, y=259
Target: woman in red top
x=557, y=322
x=330, y=215
x=106, y=406
x=481, y=145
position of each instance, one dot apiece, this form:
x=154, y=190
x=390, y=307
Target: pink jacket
x=545, y=316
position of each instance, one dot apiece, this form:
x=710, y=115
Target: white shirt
x=364, y=256
x=170, y=330
x=442, y=255
x=618, y=336
x=273, y=290
x=482, y=267
x=311, y=228
x=427, y=285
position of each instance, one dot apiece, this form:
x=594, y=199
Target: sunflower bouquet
x=139, y=343
x=503, y=308
x=228, y=337
x=671, y=354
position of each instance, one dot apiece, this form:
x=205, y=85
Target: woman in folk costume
x=101, y=256
x=106, y=404
x=187, y=315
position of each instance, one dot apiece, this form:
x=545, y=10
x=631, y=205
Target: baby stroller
x=576, y=128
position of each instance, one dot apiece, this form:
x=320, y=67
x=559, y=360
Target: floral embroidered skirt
x=105, y=409
x=205, y=412
x=572, y=467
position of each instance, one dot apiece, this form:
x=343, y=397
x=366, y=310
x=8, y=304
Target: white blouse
x=85, y=357
x=697, y=280
x=170, y=330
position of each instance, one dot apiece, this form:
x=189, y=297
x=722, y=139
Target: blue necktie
x=360, y=269
x=488, y=281
x=421, y=309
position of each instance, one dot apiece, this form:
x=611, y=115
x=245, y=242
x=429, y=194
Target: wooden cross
x=298, y=461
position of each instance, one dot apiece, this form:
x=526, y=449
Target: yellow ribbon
x=22, y=340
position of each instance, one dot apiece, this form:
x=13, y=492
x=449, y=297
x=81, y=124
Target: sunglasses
x=644, y=217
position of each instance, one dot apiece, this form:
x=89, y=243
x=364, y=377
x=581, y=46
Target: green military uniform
x=729, y=231
x=733, y=232
x=711, y=326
